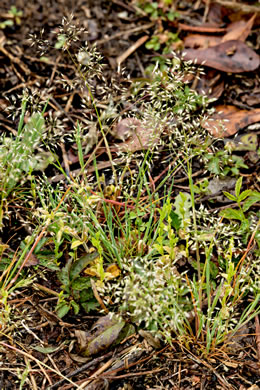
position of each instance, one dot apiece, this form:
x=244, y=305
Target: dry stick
x=114, y=371
x=135, y=363
x=239, y=6
x=123, y=5
x=131, y=49
x=54, y=69
x=81, y=369
x=97, y=296
x=14, y=132
x=39, y=363
x=127, y=32
x=140, y=373
x=257, y=336
x=115, y=202
x=61, y=109
x=22, y=85
x=90, y=364
x=47, y=62
x=140, y=65
x=65, y=159
x=77, y=172
x=45, y=289
x=16, y=60
x=224, y=382
x=241, y=261
x=99, y=371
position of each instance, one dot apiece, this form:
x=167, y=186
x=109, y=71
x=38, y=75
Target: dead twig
x=131, y=49
x=82, y=369
x=239, y=6
x=126, y=32
x=97, y=296
x=257, y=336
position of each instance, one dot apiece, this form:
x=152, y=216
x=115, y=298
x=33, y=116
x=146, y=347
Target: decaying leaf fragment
x=228, y=120
x=199, y=41
x=135, y=135
x=232, y=56
x=239, y=30
x=244, y=142
x=102, y=335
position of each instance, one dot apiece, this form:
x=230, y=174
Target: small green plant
x=153, y=43
x=17, y=156
x=163, y=11
x=166, y=39
x=244, y=200
x=14, y=18
x=76, y=289
x=223, y=163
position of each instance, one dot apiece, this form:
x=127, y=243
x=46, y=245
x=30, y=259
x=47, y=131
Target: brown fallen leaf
x=103, y=337
x=228, y=120
x=251, y=99
x=239, y=30
x=211, y=84
x=216, y=14
x=198, y=41
x=231, y=56
x=136, y=136
x=152, y=339
x=125, y=128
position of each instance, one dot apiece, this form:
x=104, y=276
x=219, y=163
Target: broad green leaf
x=62, y=309
x=213, y=165
x=89, y=306
x=75, y=306
x=63, y=275
x=175, y=220
x=45, y=349
x=229, y=196
x=233, y=214
x=81, y=283
x=245, y=225
x=182, y=206
x=81, y=263
x=254, y=198
x=238, y=186
x=76, y=243
x=244, y=195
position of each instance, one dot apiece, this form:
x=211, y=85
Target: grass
x=128, y=241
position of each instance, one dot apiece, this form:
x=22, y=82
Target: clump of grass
x=18, y=158
x=174, y=273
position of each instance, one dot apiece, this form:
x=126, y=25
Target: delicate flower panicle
x=151, y=292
